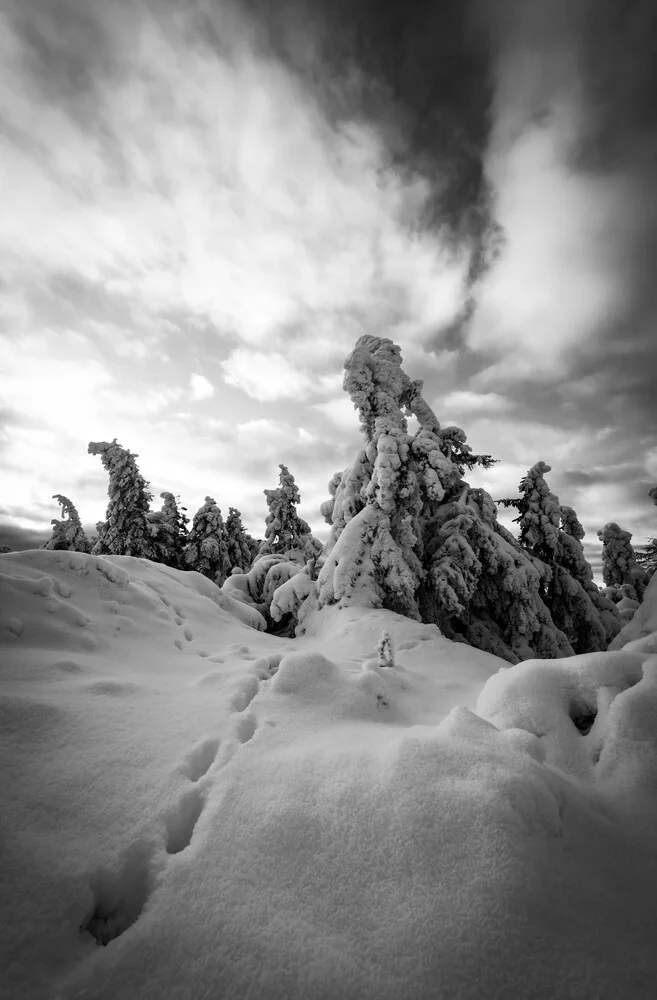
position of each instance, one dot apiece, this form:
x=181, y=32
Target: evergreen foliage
x=68, y=533
x=285, y=531
x=169, y=532
x=619, y=565
x=238, y=542
x=552, y=534
x=206, y=550
x=126, y=531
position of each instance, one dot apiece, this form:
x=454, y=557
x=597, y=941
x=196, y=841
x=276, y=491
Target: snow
x=234, y=814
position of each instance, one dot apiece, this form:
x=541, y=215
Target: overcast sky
x=205, y=204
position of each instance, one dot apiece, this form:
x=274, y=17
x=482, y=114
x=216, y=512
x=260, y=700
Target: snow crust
x=195, y=808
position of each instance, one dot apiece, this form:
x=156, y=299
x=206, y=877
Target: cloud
x=463, y=401
x=201, y=387
x=265, y=377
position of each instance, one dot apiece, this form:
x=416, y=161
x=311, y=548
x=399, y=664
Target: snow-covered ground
x=236, y=815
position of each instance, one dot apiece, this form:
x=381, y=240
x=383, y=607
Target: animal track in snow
x=189, y=635
x=199, y=760
x=181, y=821
x=179, y=613
x=179, y=620
x=178, y=643
x=246, y=727
x=242, y=699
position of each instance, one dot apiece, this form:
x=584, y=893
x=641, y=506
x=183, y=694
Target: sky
x=206, y=203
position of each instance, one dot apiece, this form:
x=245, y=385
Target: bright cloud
x=201, y=387
x=265, y=377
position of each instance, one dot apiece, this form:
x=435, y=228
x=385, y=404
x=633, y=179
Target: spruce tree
x=409, y=533
x=206, y=550
x=67, y=533
x=172, y=535
x=237, y=541
x=619, y=565
x=125, y=532
x=576, y=606
x=285, y=531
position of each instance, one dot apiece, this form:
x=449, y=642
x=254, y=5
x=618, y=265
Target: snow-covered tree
x=619, y=565
x=67, y=533
x=409, y=534
x=237, y=541
x=285, y=531
x=168, y=528
x=206, y=550
x=576, y=605
x=126, y=530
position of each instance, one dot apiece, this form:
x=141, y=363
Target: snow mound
x=595, y=714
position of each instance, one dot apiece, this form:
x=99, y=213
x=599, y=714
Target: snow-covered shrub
x=206, y=550
x=295, y=598
x=68, y=533
x=126, y=531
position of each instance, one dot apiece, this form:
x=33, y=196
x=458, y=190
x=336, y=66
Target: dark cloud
x=20, y=539
x=422, y=72
x=625, y=472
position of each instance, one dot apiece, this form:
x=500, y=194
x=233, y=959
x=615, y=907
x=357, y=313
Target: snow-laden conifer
x=206, y=550
x=237, y=542
x=409, y=534
x=125, y=532
x=576, y=605
x=168, y=532
x=285, y=531
x=619, y=565
x=68, y=533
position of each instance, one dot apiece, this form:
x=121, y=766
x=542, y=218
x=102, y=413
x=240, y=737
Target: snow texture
x=195, y=808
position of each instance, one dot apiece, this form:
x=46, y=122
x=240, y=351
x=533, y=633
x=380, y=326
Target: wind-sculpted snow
x=196, y=808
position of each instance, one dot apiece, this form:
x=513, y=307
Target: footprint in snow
x=242, y=699
x=118, y=897
x=181, y=821
x=245, y=728
x=178, y=643
x=189, y=635
x=199, y=760
x=179, y=620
